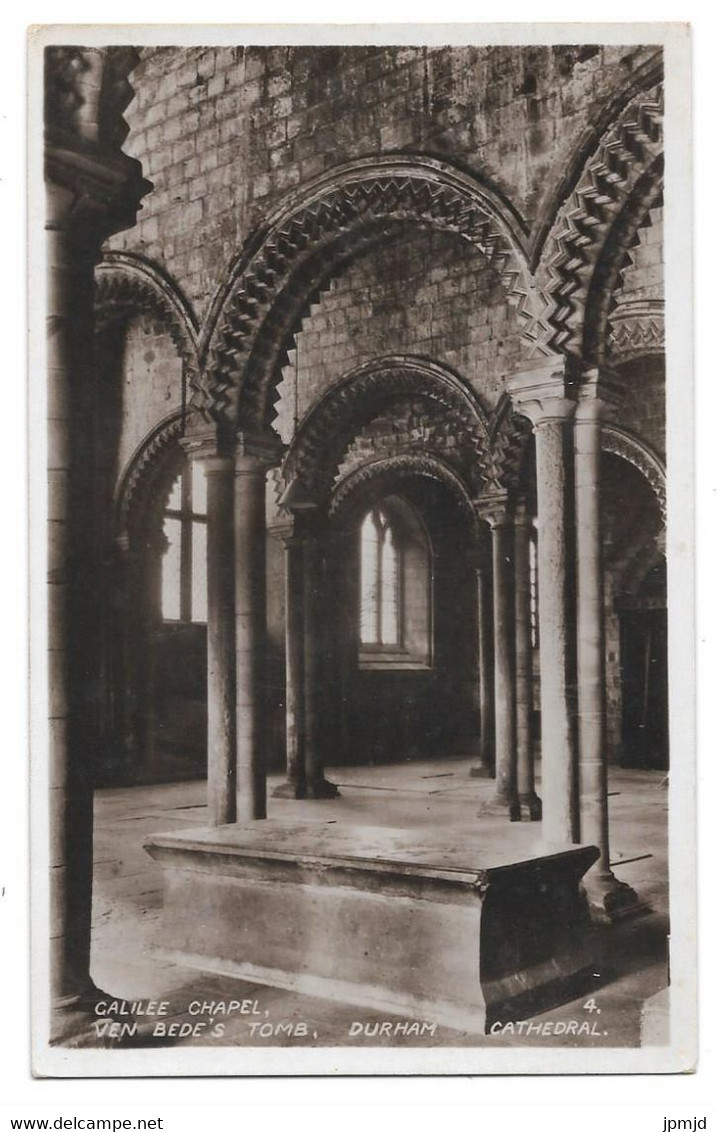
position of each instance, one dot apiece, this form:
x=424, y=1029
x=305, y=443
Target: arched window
x=394, y=588
x=380, y=580
x=184, y=564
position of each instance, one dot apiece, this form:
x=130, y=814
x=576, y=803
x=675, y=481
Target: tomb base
x=386, y=919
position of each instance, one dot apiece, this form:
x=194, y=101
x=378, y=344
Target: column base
x=321, y=788
x=531, y=807
x=503, y=807
x=71, y=1014
x=610, y=899
x=289, y=789
x=483, y=771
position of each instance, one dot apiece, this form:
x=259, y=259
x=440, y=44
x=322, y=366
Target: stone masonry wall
x=224, y=133
x=427, y=293
x=151, y=383
x=643, y=278
x=406, y=425
x=643, y=409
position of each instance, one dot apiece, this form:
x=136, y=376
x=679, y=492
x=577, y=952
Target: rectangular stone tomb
x=382, y=918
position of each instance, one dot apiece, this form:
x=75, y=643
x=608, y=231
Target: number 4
x=590, y=1005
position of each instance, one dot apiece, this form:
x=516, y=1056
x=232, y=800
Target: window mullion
x=185, y=594
x=379, y=582
x=399, y=596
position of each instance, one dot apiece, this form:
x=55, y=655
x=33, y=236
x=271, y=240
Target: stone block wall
x=151, y=382
x=426, y=293
x=408, y=424
x=643, y=409
x=643, y=278
x=225, y=133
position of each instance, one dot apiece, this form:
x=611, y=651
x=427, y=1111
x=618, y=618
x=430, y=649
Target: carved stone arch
x=329, y=427
x=635, y=330
x=613, y=260
x=392, y=470
x=510, y=437
x=626, y=152
x=127, y=284
x=87, y=91
x=303, y=244
x=620, y=442
x=144, y=487
x=642, y=78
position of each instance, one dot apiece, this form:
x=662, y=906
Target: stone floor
x=631, y=959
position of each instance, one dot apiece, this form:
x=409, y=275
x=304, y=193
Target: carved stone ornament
x=637, y=328
x=326, y=433
x=406, y=466
x=251, y=328
x=626, y=151
x=138, y=490
x=86, y=92
x=127, y=285
x=620, y=442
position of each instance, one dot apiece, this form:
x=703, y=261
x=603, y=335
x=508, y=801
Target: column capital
x=296, y=497
x=522, y=516
x=599, y=393
x=494, y=507
x=92, y=196
x=96, y=189
x=285, y=530
x=543, y=393
x=207, y=446
x=254, y=453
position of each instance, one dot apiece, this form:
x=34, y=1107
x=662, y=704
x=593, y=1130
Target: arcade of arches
x=357, y=405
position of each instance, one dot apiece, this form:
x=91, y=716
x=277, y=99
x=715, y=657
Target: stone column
x=541, y=396
x=608, y=897
x=221, y=650
x=125, y=627
x=143, y=646
x=253, y=457
x=317, y=786
x=93, y=190
x=69, y=314
x=295, y=785
x=485, y=678
x=530, y=804
x=494, y=508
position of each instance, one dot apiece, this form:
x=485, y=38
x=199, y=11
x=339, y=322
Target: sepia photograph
x=361, y=376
